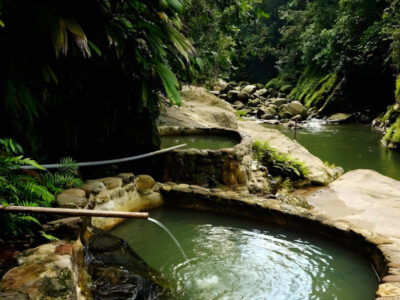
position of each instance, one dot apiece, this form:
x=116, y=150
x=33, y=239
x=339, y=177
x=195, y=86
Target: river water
x=351, y=146
x=235, y=258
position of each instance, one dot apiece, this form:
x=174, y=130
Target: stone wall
x=228, y=166
x=124, y=192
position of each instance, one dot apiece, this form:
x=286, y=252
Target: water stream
x=171, y=235
x=351, y=146
x=236, y=258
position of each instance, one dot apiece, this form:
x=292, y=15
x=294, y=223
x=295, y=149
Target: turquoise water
x=351, y=146
x=235, y=258
x=212, y=142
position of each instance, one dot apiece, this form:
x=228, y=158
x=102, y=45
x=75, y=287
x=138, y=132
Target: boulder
x=93, y=187
x=340, y=118
x=72, y=198
x=266, y=113
x=253, y=103
x=46, y=272
x=232, y=96
x=243, y=96
x=221, y=85
x=216, y=93
x=144, y=182
x=261, y=93
x=126, y=178
x=277, y=101
x=292, y=109
x=238, y=105
x=249, y=89
x=200, y=109
x=112, y=182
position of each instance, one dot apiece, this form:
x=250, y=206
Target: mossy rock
x=340, y=118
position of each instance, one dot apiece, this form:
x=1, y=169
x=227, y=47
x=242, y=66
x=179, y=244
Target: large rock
x=93, y=187
x=254, y=103
x=144, y=183
x=200, y=109
x=278, y=101
x=319, y=173
x=266, y=112
x=72, y=198
x=112, y=182
x=292, y=109
x=340, y=118
x=261, y=93
x=249, y=89
x=364, y=199
x=233, y=95
x=46, y=272
x=220, y=85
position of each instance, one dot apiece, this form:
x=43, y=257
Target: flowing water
x=235, y=258
x=351, y=146
x=212, y=142
x=171, y=235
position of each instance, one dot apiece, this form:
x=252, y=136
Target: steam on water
x=170, y=234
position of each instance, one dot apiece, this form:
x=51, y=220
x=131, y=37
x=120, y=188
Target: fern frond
x=68, y=165
x=49, y=237
x=27, y=219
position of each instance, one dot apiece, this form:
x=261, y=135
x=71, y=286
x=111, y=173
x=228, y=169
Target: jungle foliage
x=113, y=60
x=24, y=188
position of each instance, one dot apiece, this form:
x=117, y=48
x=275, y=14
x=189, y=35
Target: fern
x=17, y=188
x=67, y=165
x=49, y=237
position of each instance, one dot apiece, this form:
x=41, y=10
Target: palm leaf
x=169, y=81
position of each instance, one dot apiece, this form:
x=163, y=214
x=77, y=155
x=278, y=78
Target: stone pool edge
x=381, y=250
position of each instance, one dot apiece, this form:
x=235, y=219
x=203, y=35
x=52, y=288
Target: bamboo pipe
x=74, y=212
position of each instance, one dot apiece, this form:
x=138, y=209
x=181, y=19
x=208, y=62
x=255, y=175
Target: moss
x=240, y=113
x=397, y=91
x=286, y=89
x=393, y=133
x=274, y=84
x=315, y=90
x=279, y=164
x=389, y=112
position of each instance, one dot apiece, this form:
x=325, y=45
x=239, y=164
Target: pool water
x=212, y=142
x=236, y=258
x=351, y=146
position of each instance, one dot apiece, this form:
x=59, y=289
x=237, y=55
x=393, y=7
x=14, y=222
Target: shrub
x=23, y=188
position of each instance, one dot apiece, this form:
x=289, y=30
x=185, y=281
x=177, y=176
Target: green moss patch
x=279, y=164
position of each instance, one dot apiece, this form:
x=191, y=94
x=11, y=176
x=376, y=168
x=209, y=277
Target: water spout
x=170, y=234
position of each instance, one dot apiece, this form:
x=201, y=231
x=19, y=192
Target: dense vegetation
x=103, y=66
x=334, y=56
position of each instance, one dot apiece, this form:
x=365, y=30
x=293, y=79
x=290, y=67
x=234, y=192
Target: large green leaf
x=175, y=5
x=169, y=81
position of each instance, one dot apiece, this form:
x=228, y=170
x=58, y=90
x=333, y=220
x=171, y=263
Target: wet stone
x=112, y=182
x=93, y=187
x=126, y=178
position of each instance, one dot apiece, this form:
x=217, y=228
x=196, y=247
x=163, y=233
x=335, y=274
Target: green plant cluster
x=22, y=188
x=113, y=56
x=392, y=135
x=279, y=164
x=213, y=27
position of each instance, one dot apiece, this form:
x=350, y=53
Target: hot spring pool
x=236, y=258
